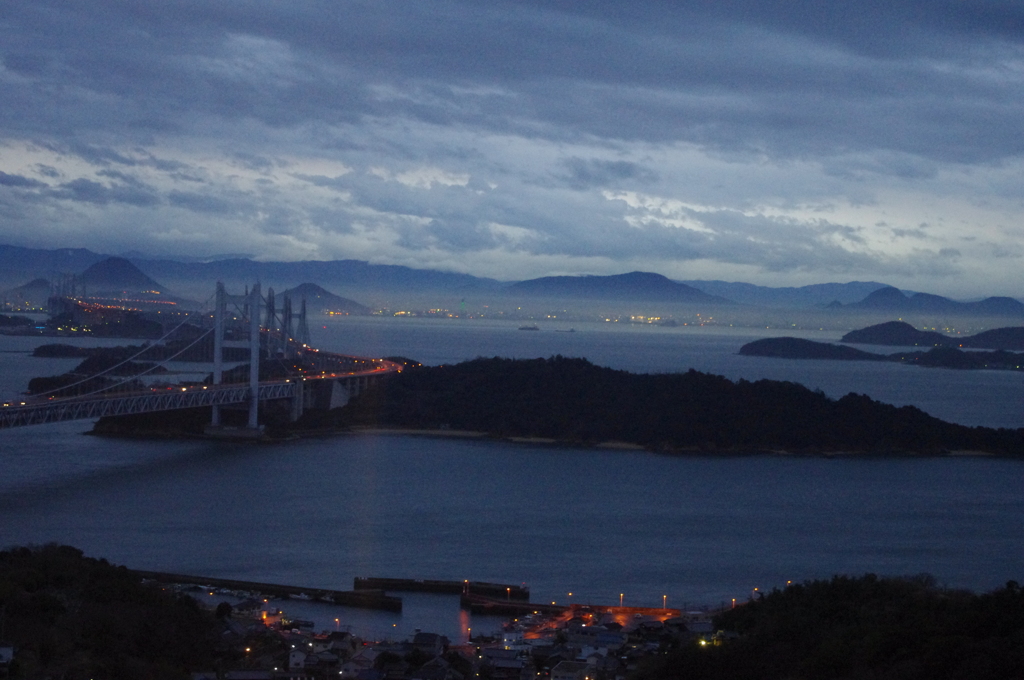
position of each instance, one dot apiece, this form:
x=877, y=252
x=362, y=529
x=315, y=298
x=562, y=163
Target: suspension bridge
x=281, y=366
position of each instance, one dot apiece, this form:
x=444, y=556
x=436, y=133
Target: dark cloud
x=20, y=181
x=199, y=202
x=785, y=130
x=88, y=191
x=591, y=173
x=789, y=77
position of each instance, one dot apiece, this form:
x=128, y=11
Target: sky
x=777, y=142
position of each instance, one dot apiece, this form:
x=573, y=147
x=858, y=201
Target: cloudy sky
x=775, y=142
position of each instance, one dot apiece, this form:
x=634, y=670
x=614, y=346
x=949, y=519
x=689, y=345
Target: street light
x=664, y=599
x=620, y=599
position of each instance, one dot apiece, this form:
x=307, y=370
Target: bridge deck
x=74, y=408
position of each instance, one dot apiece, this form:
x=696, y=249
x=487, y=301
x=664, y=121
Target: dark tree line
x=574, y=401
x=866, y=627
x=70, y=616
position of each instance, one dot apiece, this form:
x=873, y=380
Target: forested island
x=103, y=367
x=902, y=334
x=572, y=401
x=945, y=350
x=941, y=356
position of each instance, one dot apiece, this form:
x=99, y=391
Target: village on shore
x=576, y=642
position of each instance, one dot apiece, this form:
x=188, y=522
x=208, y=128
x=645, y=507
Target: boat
x=529, y=328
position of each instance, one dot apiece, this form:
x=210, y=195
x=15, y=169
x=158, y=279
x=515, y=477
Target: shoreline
x=551, y=442
x=630, y=446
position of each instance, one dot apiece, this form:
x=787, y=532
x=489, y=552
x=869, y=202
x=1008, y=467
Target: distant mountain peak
x=322, y=301
x=884, y=297
x=632, y=285
x=116, y=274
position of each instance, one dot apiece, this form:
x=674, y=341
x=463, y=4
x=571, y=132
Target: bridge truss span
x=128, y=404
x=325, y=379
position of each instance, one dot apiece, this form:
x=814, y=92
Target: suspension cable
x=131, y=358
x=148, y=370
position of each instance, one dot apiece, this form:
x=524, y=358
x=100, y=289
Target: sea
x=576, y=525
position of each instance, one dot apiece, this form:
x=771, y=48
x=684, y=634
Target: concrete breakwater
x=363, y=598
x=502, y=591
x=502, y=607
x=493, y=606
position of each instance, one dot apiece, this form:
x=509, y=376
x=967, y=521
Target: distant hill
x=24, y=264
x=934, y=357
x=883, y=298
x=118, y=280
x=893, y=300
x=320, y=301
x=117, y=275
x=997, y=338
x=819, y=294
x=645, y=286
x=997, y=306
x=898, y=333
x=32, y=295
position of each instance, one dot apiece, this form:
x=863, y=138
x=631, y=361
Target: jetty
x=496, y=606
x=501, y=591
x=363, y=598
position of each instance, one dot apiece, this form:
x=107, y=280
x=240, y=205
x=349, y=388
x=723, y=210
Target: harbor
x=364, y=599
x=477, y=588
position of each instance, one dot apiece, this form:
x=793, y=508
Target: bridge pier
x=254, y=356
x=298, y=401
x=250, y=308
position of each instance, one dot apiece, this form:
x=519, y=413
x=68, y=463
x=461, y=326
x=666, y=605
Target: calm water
x=699, y=530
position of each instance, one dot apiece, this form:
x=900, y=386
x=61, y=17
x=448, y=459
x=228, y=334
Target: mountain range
x=814, y=295
x=892, y=299
x=359, y=278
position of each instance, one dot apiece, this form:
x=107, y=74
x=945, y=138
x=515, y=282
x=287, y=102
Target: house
x=360, y=661
x=430, y=644
x=370, y=674
x=571, y=670
x=512, y=669
x=435, y=669
x=395, y=669
x=297, y=659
